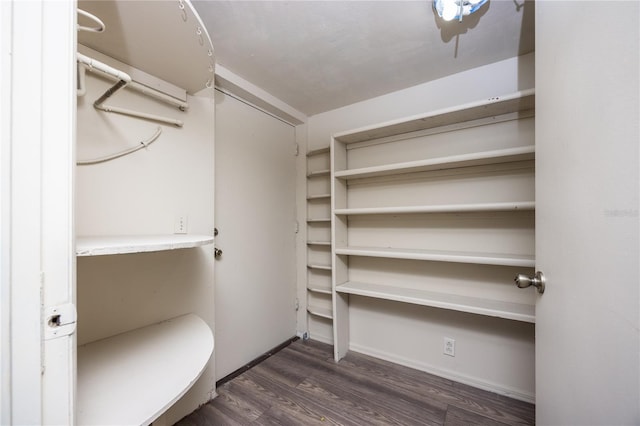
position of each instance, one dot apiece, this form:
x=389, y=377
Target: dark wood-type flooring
x=302, y=385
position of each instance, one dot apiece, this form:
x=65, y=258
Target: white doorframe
x=38, y=133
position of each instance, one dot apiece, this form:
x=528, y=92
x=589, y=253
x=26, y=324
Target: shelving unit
x=159, y=362
x=144, y=322
x=417, y=201
x=319, y=293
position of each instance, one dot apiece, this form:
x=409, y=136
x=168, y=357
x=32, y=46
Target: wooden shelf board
x=132, y=378
x=448, y=208
x=318, y=197
x=519, y=101
x=319, y=243
x=321, y=312
x=441, y=256
x=318, y=151
x=122, y=244
x=319, y=290
x=323, y=267
x=319, y=173
x=488, y=307
x=442, y=163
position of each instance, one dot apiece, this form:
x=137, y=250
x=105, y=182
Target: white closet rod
x=123, y=79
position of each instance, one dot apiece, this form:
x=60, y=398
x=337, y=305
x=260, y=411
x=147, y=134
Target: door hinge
x=297, y=304
x=59, y=321
x=296, y=148
x=296, y=227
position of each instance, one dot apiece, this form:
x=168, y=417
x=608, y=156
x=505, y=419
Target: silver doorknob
x=524, y=281
x=217, y=253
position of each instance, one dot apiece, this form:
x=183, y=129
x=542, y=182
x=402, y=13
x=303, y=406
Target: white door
x=255, y=216
x=587, y=321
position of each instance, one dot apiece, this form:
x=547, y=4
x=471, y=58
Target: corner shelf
x=321, y=267
x=319, y=173
x=318, y=197
x=324, y=150
x=167, y=358
x=327, y=220
x=106, y=245
x=474, y=305
x=319, y=294
x=321, y=290
x=320, y=312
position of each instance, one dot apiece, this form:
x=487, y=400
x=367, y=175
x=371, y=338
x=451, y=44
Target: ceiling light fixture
x=456, y=9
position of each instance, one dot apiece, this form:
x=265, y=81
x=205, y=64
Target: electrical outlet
x=180, y=224
x=449, y=346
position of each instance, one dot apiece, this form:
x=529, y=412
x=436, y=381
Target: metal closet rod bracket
x=123, y=79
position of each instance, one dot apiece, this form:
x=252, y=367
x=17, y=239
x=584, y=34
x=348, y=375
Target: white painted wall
x=255, y=214
x=587, y=231
x=490, y=353
x=141, y=194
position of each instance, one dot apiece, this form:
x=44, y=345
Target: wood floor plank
x=235, y=401
x=301, y=384
x=442, y=392
x=459, y=417
x=397, y=404
x=284, y=370
x=375, y=407
x=301, y=405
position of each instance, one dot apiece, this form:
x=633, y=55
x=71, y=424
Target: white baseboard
x=447, y=374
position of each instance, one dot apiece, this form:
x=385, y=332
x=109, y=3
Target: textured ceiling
x=321, y=55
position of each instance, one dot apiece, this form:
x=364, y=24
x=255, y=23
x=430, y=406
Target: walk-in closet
x=319, y=212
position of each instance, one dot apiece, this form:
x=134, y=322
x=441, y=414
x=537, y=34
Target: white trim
x=447, y=374
x=57, y=129
x=5, y=210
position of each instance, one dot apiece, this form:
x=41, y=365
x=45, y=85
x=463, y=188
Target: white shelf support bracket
x=59, y=321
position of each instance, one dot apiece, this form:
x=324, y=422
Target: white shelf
x=320, y=312
x=319, y=243
x=516, y=102
x=319, y=290
x=104, y=245
x=318, y=197
x=448, y=208
x=132, y=378
x=318, y=220
x=326, y=172
x=442, y=163
x=494, y=308
x=441, y=256
x=318, y=151
x=323, y=267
